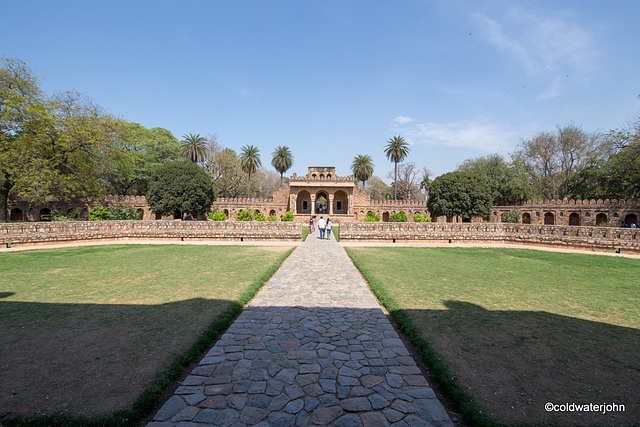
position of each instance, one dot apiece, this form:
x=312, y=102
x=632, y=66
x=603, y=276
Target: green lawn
x=89, y=329
x=518, y=328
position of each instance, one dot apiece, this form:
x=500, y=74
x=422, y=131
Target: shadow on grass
x=103, y=364
x=92, y=361
x=511, y=363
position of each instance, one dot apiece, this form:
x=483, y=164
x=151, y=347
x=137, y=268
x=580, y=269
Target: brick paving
x=312, y=348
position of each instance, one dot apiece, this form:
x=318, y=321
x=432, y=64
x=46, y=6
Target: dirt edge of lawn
x=165, y=381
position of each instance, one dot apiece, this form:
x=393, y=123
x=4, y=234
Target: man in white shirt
x=321, y=226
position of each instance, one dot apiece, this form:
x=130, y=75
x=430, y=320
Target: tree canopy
x=142, y=152
x=459, y=194
x=508, y=182
x=179, y=188
x=51, y=148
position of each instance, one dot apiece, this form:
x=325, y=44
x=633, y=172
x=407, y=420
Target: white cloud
x=402, y=120
x=542, y=44
x=479, y=135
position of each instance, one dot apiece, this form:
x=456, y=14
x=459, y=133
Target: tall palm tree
x=396, y=150
x=282, y=160
x=194, y=147
x=362, y=167
x=249, y=162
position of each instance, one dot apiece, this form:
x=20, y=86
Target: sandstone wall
x=553, y=235
x=50, y=232
x=572, y=212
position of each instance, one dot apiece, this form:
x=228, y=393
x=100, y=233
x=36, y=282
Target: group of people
x=323, y=226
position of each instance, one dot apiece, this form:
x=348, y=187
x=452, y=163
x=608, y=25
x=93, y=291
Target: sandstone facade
x=573, y=212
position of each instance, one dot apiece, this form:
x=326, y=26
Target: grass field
x=508, y=330
x=88, y=330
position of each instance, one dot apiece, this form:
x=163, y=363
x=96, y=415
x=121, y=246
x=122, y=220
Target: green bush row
x=248, y=215
x=118, y=213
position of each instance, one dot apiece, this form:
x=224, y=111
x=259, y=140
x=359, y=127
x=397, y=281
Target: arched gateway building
x=322, y=192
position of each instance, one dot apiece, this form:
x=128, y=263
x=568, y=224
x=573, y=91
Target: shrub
x=607, y=224
x=418, y=217
x=99, y=213
x=514, y=216
x=272, y=217
x=372, y=217
x=244, y=215
x=288, y=216
x=216, y=215
x=124, y=213
x=72, y=215
x=259, y=216
x=398, y=217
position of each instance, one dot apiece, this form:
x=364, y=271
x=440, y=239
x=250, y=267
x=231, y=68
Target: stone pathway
x=312, y=348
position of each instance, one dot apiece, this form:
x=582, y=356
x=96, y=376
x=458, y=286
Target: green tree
x=459, y=194
x=50, y=148
x=226, y=173
x=180, y=188
x=615, y=175
x=282, y=160
x=362, y=167
x=194, y=147
x=396, y=151
x=508, y=182
x=22, y=106
x=142, y=152
x=378, y=189
x=249, y=162
x=551, y=157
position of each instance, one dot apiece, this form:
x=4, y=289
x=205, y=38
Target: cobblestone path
x=312, y=348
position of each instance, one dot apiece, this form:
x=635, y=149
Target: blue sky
x=332, y=79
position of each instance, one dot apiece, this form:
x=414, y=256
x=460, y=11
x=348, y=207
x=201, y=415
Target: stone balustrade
x=552, y=235
x=51, y=232
x=604, y=238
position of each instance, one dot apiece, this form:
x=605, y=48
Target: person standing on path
x=321, y=226
x=329, y=229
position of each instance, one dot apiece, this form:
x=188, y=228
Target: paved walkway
x=312, y=348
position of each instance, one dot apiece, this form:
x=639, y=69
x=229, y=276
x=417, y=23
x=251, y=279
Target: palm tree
x=396, y=150
x=362, y=167
x=194, y=147
x=282, y=160
x=249, y=162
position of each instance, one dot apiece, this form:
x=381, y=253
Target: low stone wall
x=552, y=235
x=50, y=232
